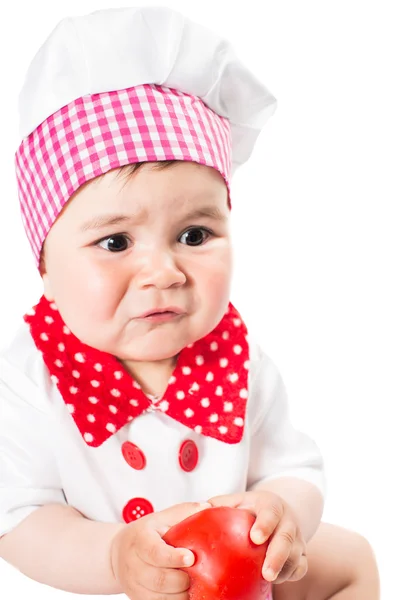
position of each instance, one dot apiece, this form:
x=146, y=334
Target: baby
x=133, y=395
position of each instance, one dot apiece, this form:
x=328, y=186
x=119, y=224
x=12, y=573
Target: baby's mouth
x=162, y=314
x=167, y=311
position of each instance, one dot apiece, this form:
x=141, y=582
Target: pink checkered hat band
x=99, y=132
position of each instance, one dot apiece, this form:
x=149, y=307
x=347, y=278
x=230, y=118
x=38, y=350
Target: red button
x=133, y=456
x=136, y=509
x=188, y=455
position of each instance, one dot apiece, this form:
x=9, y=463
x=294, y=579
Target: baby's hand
x=275, y=521
x=144, y=565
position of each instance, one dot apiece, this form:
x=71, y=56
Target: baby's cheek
x=218, y=272
x=94, y=292
x=214, y=288
x=103, y=294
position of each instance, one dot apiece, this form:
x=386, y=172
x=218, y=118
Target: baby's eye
x=195, y=236
x=114, y=243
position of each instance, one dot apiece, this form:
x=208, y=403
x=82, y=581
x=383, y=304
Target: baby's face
x=157, y=253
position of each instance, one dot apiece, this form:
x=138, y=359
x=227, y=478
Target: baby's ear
x=47, y=291
x=45, y=278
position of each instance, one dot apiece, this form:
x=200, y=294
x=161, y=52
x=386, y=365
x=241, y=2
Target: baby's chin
x=157, y=356
x=151, y=343
x=163, y=349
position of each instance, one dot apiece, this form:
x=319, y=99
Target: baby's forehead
x=146, y=191
x=181, y=181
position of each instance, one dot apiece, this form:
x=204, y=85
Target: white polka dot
x=205, y=402
x=53, y=306
x=237, y=349
x=118, y=374
x=73, y=389
x=199, y=360
x=243, y=393
x=49, y=320
x=219, y=391
x=214, y=418
x=172, y=380
x=247, y=364
x=225, y=335
x=213, y=346
x=54, y=378
x=98, y=367
x=31, y=312
x=58, y=363
x=163, y=405
x=180, y=395
x=91, y=418
x=95, y=383
x=115, y=393
x=61, y=347
x=44, y=337
x=186, y=370
x=130, y=418
x=76, y=374
x=223, y=429
x=190, y=346
x=93, y=399
x=66, y=330
x=71, y=408
x=194, y=388
x=233, y=377
x=238, y=421
x=228, y=406
x=111, y=427
x=198, y=429
x=237, y=322
x=189, y=412
x=210, y=376
x=88, y=437
x=113, y=409
x=79, y=357
x=223, y=362
x=134, y=403
x=136, y=385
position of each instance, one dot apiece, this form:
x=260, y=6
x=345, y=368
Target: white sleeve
x=277, y=448
x=28, y=473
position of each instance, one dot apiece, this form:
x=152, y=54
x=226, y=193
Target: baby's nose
x=160, y=270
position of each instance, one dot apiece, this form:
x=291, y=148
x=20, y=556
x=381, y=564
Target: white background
x=315, y=224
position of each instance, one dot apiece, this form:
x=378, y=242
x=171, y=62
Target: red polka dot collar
x=207, y=391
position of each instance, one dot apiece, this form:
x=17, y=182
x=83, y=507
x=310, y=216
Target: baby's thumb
x=177, y=513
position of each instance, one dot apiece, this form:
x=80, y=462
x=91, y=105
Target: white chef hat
x=127, y=85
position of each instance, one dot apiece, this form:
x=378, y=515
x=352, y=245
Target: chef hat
x=129, y=85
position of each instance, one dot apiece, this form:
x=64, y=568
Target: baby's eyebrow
x=208, y=212
x=100, y=221
x=105, y=221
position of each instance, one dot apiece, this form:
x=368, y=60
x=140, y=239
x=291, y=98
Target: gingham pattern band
x=96, y=133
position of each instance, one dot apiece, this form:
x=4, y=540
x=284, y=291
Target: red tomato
x=228, y=564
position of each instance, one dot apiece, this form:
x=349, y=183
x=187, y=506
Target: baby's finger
x=163, y=581
x=300, y=571
x=175, y=514
x=232, y=500
x=279, y=550
x=138, y=591
x=154, y=551
x=265, y=524
x=291, y=563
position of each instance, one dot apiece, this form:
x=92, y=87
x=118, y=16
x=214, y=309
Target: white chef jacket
x=44, y=459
